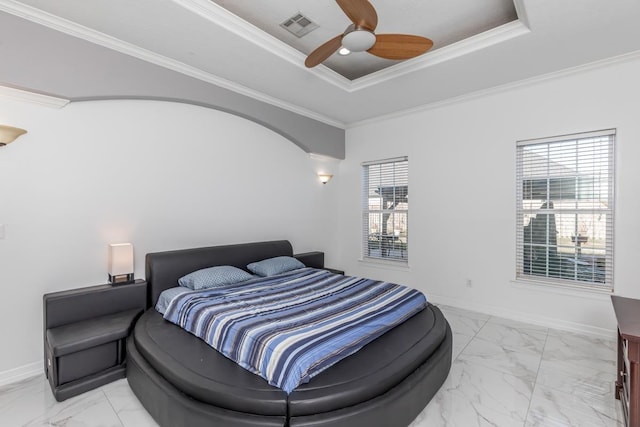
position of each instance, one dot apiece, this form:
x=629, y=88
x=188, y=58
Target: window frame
x=553, y=182
x=396, y=243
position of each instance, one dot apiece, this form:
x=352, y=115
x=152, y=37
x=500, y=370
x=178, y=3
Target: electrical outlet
x=469, y=283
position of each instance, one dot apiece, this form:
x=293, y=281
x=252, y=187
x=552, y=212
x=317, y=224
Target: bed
x=182, y=381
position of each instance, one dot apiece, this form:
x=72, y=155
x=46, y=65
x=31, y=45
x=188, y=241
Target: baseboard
x=21, y=373
x=544, y=321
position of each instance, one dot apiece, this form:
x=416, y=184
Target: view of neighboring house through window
x=565, y=209
x=385, y=205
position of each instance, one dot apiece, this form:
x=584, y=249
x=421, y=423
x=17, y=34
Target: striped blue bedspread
x=289, y=328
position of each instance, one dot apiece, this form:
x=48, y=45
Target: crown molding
x=471, y=44
x=241, y=28
x=479, y=41
x=323, y=158
x=76, y=30
x=222, y=17
x=521, y=11
x=603, y=63
x=232, y=23
x=32, y=97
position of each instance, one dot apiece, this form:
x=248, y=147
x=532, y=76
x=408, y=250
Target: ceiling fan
x=360, y=36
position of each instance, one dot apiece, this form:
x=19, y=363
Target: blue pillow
x=273, y=266
x=213, y=276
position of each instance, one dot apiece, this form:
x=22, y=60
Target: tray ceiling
x=207, y=42
x=444, y=22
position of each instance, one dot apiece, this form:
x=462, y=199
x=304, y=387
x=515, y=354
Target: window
x=385, y=209
x=565, y=209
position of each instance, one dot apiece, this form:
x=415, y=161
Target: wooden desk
x=628, y=378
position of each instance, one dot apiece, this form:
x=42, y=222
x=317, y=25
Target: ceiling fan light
x=344, y=51
x=359, y=40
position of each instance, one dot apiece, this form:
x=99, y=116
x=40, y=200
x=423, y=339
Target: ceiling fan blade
x=323, y=52
x=361, y=13
x=400, y=46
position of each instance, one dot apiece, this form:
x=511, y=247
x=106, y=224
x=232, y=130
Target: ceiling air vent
x=299, y=25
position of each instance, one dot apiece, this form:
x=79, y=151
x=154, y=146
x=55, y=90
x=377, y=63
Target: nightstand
x=85, y=331
x=316, y=260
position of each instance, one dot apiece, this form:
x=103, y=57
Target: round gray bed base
x=405, y=385
x=396, y=408
x=169, y=407
x=399, y=406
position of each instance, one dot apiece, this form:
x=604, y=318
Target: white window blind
x=385, y=209
x=565, y=206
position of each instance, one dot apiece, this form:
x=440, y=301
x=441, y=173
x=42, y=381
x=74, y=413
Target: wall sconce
x=120, y=263
x=9, y=134
x=324, y=177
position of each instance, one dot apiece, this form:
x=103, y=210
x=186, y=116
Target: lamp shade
x=9, y=134
x=324, y=177
x=120, y=259
x=359, y=40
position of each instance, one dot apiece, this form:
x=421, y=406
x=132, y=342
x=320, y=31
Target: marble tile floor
x=504, y=373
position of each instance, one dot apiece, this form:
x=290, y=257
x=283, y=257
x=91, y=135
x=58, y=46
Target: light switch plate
x=1, y=231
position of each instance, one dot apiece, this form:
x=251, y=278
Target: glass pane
x=375, y=221
x=386, y=203
x=566, y=246
x=566, y=190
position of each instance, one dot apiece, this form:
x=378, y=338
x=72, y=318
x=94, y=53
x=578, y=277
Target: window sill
x=385, y=264
x=562, y=289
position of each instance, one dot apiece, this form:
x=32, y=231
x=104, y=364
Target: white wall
x=160, y=175
x=462, y=193
x=166, y=176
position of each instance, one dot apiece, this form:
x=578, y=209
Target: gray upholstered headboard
x=163, y=269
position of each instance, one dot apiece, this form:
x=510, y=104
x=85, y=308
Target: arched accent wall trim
x=106, y=74
x=310, y=135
